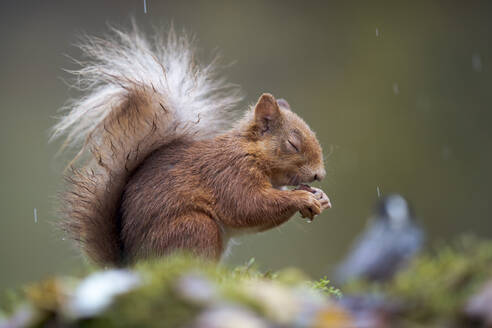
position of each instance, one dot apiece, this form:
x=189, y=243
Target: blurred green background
x=398, y=93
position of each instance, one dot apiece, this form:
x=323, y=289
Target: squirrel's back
x=137, y=97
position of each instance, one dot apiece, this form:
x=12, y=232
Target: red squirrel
x=166, y=168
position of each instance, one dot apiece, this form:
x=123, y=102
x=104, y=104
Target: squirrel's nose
x=319, y=175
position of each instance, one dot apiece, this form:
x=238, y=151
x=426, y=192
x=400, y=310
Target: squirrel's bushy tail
x=139, y=96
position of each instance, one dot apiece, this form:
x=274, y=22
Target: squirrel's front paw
x=321, y=197
x=310, y=206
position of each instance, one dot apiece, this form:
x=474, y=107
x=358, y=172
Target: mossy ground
x=183, y=291
x=173, y=292
x=436, y=286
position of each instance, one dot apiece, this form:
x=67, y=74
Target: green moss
x=435, y=286
x=324, y=285
x=177, y=289
x=10, y=299
x=438, y=285
x=156, y=303
x=173, y=291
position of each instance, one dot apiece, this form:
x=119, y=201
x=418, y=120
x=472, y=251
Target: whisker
x=330, y=152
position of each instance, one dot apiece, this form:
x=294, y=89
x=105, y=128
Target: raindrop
x=35, y=215
x=476, y=63
x=396, y=88
x=446, y=152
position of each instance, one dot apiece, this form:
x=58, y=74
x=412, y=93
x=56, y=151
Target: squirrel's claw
x=311, y=211
x=322, y=198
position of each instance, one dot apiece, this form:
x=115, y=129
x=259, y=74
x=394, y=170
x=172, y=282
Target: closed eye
x=294, y=146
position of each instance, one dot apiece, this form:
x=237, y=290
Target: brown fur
x=152, y=195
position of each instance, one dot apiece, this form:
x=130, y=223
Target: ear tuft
x=267, y=112
x=283, y=104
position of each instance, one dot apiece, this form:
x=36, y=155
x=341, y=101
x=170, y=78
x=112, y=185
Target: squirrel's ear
x=267, y=112
x=282, y=103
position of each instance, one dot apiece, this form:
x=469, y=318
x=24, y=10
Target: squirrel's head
x=287, y=144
